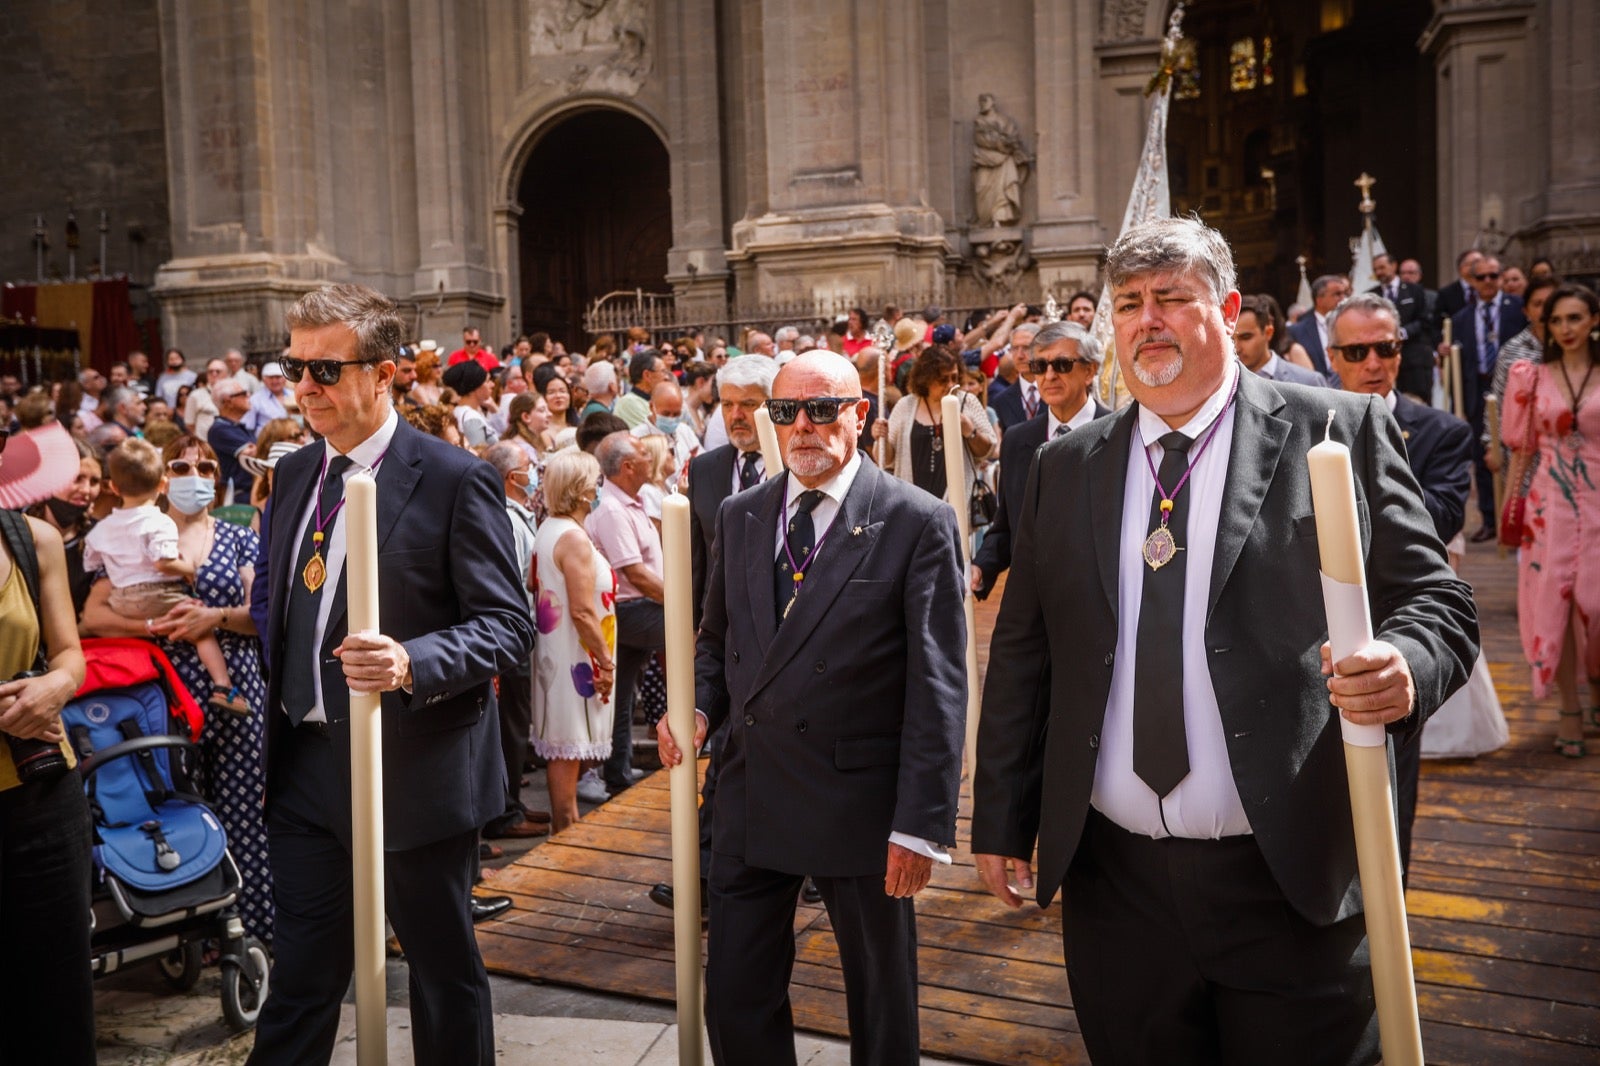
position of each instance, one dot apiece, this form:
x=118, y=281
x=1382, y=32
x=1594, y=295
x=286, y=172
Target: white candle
x=366, y=777
x=1344, y=589
x=767, y=434
x=955, y=480
x=679, y=605
x=882, y=442
x=1455, y=381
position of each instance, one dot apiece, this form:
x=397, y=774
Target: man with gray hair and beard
x=1156, y=714
x=845, y=723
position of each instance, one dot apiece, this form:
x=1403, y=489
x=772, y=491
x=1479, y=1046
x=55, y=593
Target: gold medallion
x=316, y=572
x=1159, y=548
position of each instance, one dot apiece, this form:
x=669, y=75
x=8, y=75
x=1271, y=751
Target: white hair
x=599, y=377
x=1068, y=330
x=748, y=370
x=786, y=333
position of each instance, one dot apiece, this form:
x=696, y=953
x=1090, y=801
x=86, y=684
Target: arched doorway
x=1279, y=106
x=597, y=216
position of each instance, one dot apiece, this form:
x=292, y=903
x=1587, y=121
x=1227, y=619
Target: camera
x=35, y=760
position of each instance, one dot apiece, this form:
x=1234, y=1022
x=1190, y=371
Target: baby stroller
x=164, y=882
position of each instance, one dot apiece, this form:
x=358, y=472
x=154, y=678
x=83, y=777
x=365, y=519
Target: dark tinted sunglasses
x=821, y=410
x=323, y=371
x=1060, y=366
x=185, y=467
x=1355, y=353
x=1487, y=277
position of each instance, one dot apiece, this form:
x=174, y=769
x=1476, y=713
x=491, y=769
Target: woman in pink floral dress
x=1552, y=419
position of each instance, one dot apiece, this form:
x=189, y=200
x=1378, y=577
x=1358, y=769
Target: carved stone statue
x=1000, y=165
x=608, y=38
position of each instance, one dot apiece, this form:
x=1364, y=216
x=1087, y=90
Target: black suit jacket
x=1265, y=626
x=450, y=591
x=710, y=482
x=845, y=724
x=1439, y=451
x=1008, y=406
x=1412, y=303
x=1305, y=331
x=1016, y=455
x=1450, y=299
x=1512, y=322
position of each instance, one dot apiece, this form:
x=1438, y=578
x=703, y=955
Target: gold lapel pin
x=856, y=532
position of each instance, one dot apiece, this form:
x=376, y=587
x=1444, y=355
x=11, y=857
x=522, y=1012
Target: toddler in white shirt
x=137, y=547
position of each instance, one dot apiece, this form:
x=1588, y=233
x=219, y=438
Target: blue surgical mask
x=191, y=494
x=668, y=425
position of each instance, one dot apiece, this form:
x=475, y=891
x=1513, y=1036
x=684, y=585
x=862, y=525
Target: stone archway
x=596, y=216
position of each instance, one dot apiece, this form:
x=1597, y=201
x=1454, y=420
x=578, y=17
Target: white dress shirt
x=1084, y=416
x=716, y=430
x=1322, y=328
x=365, y=456
x=1205, y=804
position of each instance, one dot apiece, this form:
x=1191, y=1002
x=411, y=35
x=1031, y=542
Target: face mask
x=192, y=494
x=667, y=425
x=67, y=515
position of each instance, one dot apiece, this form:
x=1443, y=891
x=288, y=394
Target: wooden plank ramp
x=1504, y=899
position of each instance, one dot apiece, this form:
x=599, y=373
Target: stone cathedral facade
x=505, y=163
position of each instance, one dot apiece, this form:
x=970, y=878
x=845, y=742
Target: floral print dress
x=569, y=719
x=1558, y=576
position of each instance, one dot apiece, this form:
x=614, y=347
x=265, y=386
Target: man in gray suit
x=1184, y=776
x=831, y=645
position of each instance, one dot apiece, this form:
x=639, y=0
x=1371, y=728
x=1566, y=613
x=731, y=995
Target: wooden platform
x=1504, y=901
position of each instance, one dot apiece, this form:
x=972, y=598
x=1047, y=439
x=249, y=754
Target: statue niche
x=607, y=39
x=1000, y=166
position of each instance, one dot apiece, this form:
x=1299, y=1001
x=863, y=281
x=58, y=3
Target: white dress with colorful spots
x=569, y=721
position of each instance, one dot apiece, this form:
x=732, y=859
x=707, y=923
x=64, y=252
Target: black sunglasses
x=1486, y=277
x=323, y=371
x=821, y=410
x=185, y=467
x=1356, y=353
x=1060, y=366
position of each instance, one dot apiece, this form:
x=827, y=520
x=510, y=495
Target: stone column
x=1491, y=146
x=1568, y=226
x=697, y=264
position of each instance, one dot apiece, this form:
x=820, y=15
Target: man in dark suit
x=1066, y=361
x=1366, y=340
x=743, y=386
x=452, y=618
x=1252, y=340
x=1186, y=784
x=1492, y=318
x=845, y=722
x=1312, y=329
x=1458, y=293
x=1416, y=362
x=1020, y=402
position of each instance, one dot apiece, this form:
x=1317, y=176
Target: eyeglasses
x=1060, y=366
x=1356, y=353
x=323, y=371
x=185, y=467
x=821, y=410
x=1487, y=277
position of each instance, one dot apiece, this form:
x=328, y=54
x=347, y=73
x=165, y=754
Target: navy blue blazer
x=451, y=592
x=1016, y=455
x=1008, y=406
x=710, y=482
x=847, y=722
x=1305, y=331
x=1465, y=326
x=1439, y=450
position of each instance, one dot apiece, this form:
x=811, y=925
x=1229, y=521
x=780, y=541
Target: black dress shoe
x=810, y=893
x=661, y=895
x=486, y=907
x=1484, y=533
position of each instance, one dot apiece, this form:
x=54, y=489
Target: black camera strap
x=25, y=557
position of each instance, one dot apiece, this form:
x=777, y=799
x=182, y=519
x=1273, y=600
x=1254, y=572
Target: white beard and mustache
x=1167, y=374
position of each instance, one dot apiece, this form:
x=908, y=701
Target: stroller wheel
x=181, y=966
x=244, y=985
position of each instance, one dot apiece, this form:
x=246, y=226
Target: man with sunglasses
x=831, y=645
x=1156, y=713
x=1066, y=359
x=1364, y=334
x=453, y=616
x=1488, y=320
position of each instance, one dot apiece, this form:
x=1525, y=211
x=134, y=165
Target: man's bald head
x=666, y=399
x=814, y=450
x=817, y=373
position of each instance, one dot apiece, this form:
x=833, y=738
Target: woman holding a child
x=223, y=555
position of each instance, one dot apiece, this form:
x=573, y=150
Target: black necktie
x=1061, y=430
x=801, y=539
x=300, y=617
x=747, y=470
x=1160, y=749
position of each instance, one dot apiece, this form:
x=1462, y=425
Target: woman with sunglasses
x=1552, y=421
x=231, y=745
x=915, y=430
x=45, y=866
x=428, y=387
